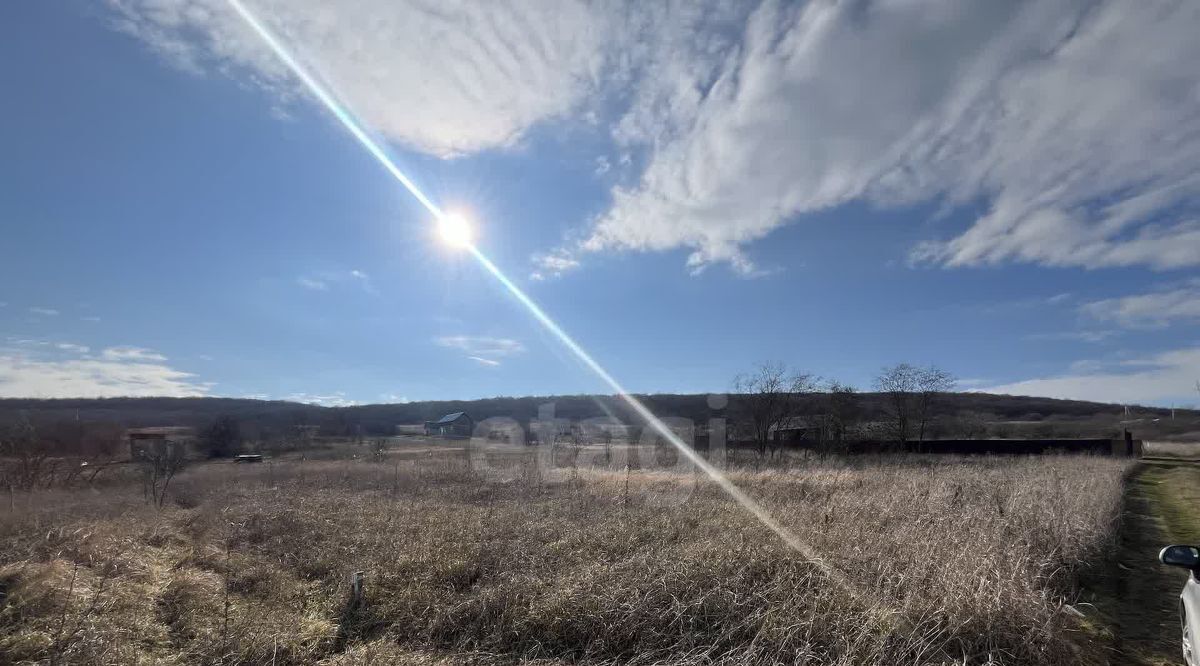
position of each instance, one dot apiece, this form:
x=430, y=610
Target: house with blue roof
x=456, y=424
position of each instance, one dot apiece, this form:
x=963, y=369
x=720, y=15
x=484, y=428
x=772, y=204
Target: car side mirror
x=1187, y=557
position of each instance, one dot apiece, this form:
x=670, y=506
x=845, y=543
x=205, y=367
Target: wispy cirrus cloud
x=445, y=78
x=326, y=280
x=1074, y=336
x=969, y=383
x=139, y=354
x=1083, y=141
x=1155, y=309
x=44, y=311
x=45, y=345
x=364, y=281
x=72, y=347
x=484, y=350
x=736, y=118
x=312, y=283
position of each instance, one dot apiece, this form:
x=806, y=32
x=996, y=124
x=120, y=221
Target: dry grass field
x=1167, y=449
x=952, y=561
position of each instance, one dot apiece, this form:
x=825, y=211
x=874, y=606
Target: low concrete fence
x=1128, y=448
x=1119, y=447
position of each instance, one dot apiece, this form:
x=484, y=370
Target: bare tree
x=898, y=384
x=910, y=394
x=842, y=408
x=161, y=463
x=932, y=382
x=29, y=460
x=769, y=395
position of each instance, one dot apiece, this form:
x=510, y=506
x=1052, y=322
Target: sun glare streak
x=455, y=230
x=657, y=424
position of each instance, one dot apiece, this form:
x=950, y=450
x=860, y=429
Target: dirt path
x=1137, y=594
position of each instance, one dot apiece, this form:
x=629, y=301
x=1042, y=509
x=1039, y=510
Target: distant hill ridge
x=381, y=419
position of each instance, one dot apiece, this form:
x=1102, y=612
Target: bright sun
x=455, y=230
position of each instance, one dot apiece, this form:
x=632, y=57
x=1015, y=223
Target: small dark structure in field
x=148, y=442
x=457, y=424
x=793, y=429
x=790, y=429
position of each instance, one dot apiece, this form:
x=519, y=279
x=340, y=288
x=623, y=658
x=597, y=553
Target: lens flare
x=456, y=231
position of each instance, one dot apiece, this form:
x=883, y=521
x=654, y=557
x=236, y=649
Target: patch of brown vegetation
x=972, y=558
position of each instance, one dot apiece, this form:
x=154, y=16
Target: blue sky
x=1008, y=192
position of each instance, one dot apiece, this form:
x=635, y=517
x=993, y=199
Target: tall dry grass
x=1169, y=449
x=959, y=560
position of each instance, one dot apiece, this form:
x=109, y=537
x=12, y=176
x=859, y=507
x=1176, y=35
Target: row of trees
x=772, y=396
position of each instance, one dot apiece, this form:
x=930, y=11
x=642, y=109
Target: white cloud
x=45, y=312
x=553, y=264
x=337, y=399
x=25, y=374
x=312, y=283
x=967, y=384
x=482, y=349
x=393, y=398
x=1074, y=124
x=1168, y=376
x=326, y=280
x=444, y=77
x=42, y=346
x=364, y=281
x=136, y=354
x=72, y=347
x=1081, y=138
x=91, y=319
x=1073, y=336
x=27, y=342
x=1151, y=310
x=481, y=345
